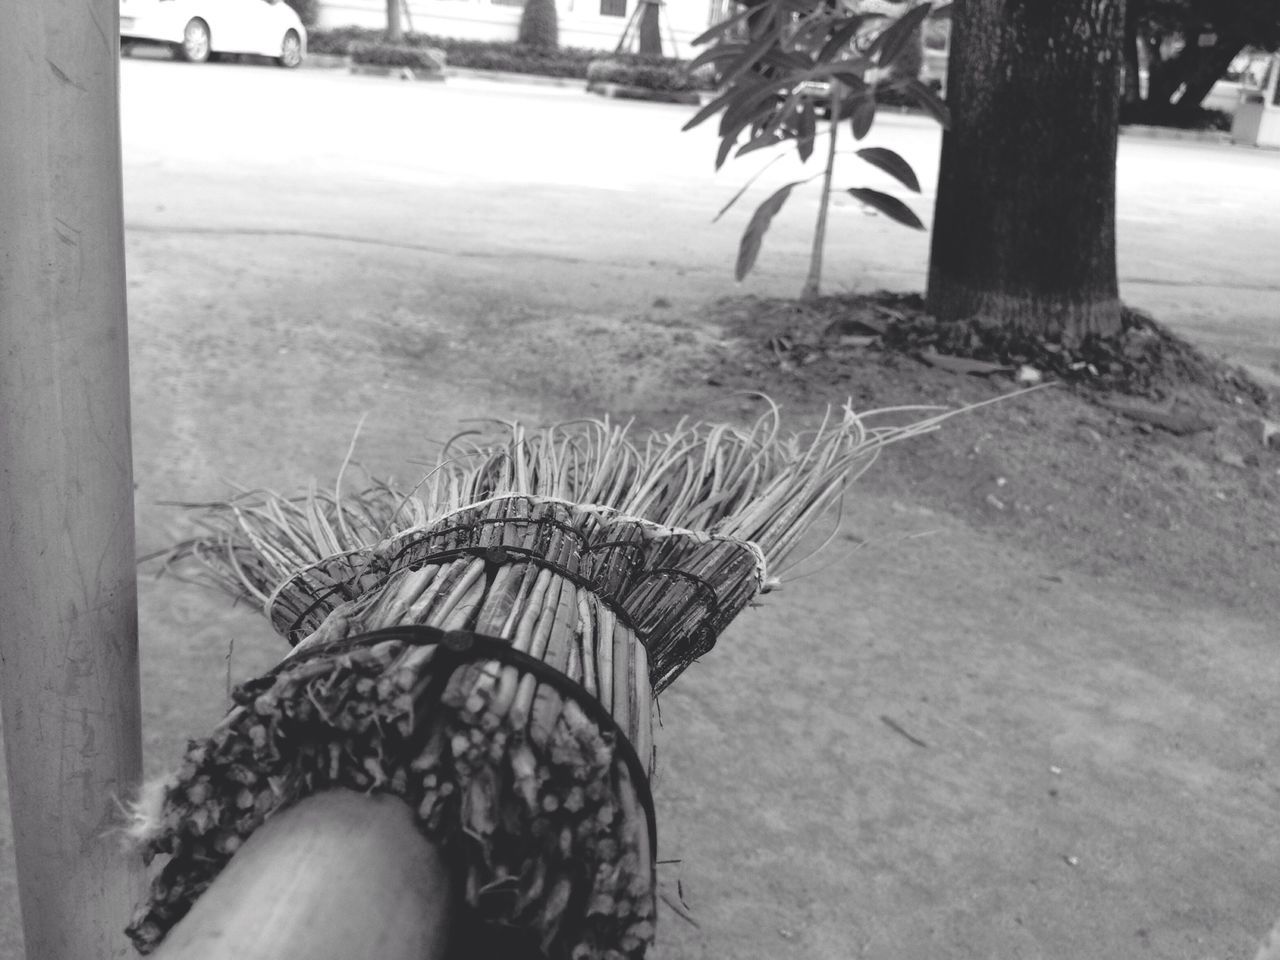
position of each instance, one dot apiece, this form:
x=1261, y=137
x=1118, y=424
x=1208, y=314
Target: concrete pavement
x=575, y=187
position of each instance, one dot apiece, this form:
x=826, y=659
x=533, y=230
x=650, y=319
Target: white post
x=68, y=616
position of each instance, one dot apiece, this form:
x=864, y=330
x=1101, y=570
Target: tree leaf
x=761, y=142
x=808, y=35
x=755, y=104
x=864, y=114
x=963, y=365
x=854, y=66
x=808, y=130
x=891, y=207
x=841, y=37
x=745, y=187
x=784, y=113
x=724, y=52
x=711, y=108
x=753, y=236
x=750, y=57
x=726, y=147
x=727, y=24
x=895, y=37
x=743, y=114
x=892, y=164
x=933, y=104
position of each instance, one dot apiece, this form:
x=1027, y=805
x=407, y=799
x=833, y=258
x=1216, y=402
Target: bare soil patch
x=1173, y=488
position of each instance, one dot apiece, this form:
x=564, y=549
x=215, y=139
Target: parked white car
x=197, y=29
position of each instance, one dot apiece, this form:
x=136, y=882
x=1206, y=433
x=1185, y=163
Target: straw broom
x=488, y=647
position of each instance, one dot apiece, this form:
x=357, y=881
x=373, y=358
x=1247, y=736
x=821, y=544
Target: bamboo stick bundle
x=488, y=647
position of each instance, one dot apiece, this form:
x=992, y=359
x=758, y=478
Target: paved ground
x=476, y=170
x=308, y=247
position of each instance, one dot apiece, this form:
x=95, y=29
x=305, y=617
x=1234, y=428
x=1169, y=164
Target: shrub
x=338, y=40
x=539, y=27
x=569, y=62
x=397, y=55
x=1171, y=115
x=515, y=57
x=308, y=11
x=664, y=75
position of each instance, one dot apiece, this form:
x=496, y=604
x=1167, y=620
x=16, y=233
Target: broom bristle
x=752, y=485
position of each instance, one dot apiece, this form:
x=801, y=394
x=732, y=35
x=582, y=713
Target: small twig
x=897, y=728
x=231, y=648
x=676, y=903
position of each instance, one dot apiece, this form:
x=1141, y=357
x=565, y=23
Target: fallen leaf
x=1028, y=374
x=1179, y=423
x=863, y=325
x=963, y=365
x=858, y=341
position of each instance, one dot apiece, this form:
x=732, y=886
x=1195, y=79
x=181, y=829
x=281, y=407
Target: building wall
x=582, y=22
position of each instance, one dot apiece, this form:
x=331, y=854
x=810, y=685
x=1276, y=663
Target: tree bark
x=1162, y=74
x=1024, y=226
x=1132, y=69
x=395, y=32
x=650, y=32
x=813, y=283
x=1206, y=68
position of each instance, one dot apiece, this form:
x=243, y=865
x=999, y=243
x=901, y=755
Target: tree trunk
x=1024, y=226
x=1132, y=69
x=395, y=32
x=1207, y=68
x=1162, y=74
x=813, y=283
x=650, y=34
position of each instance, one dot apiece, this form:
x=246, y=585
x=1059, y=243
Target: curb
x=398, y=73
x=622, y=91
x=1173, y=133
x=325, y=61
x=503, y=76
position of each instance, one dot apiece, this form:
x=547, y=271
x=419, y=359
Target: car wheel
x=290, y=50
x=195, y=47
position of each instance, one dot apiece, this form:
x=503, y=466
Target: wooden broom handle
x=337, y=876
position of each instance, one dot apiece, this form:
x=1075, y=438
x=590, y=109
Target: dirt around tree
x=1137, y=457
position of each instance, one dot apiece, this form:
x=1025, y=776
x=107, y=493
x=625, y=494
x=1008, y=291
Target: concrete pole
x=339, y=875
x=68, y=613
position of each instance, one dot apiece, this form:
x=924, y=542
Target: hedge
x=667, y=76
x=519, y=58
x=570, y=62
x=397, y=55
x=338, y=40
